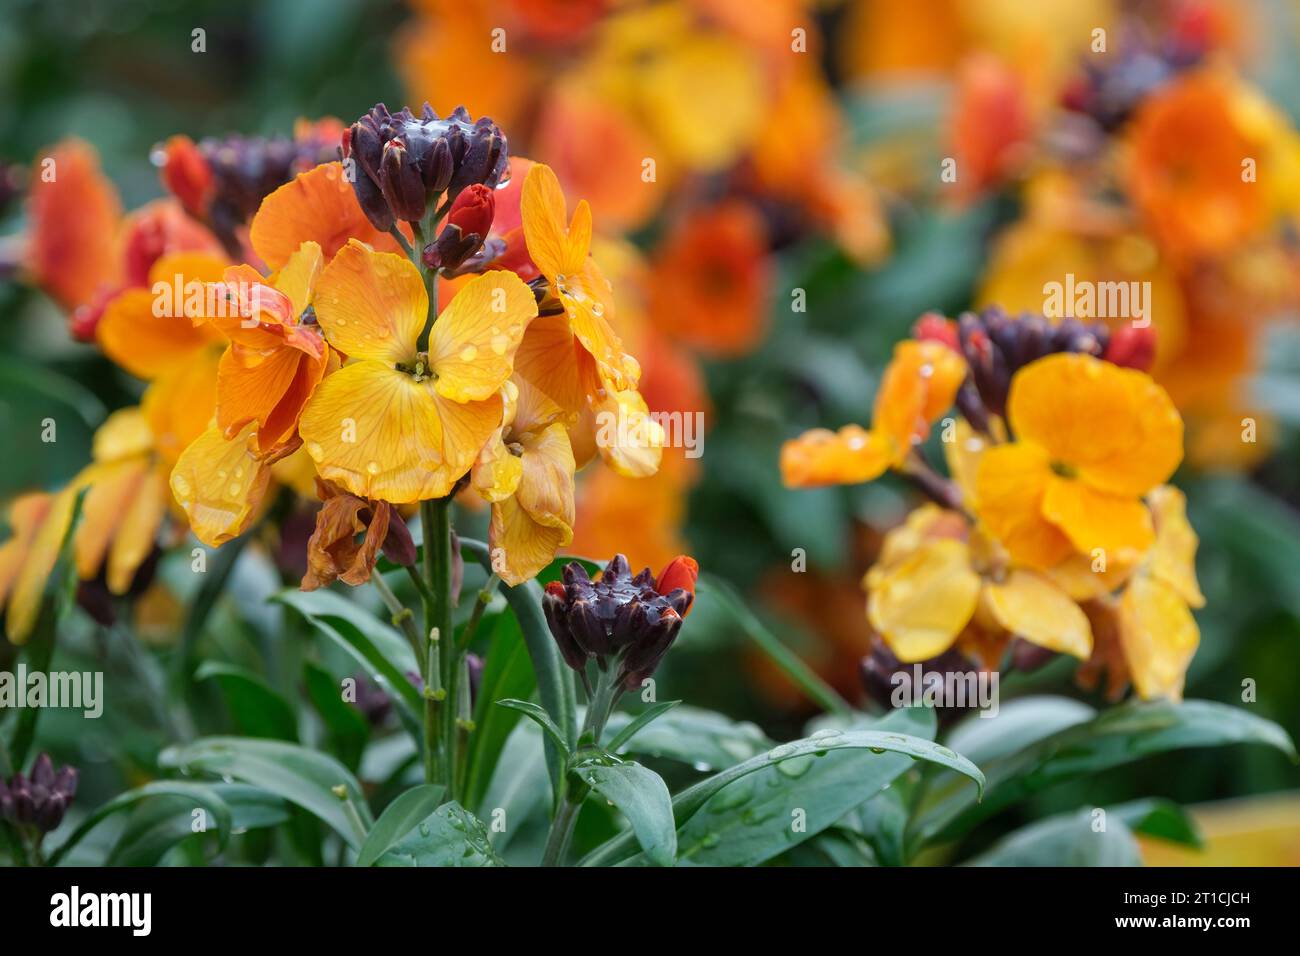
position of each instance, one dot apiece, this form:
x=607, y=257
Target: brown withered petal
x=333, y=552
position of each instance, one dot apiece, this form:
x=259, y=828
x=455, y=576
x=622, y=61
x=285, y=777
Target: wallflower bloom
x=274, y=361
x=918, y=386
x=398, y=424
x=1091, y=439
x=711, y=281
x=937, y=577
x=526, y=471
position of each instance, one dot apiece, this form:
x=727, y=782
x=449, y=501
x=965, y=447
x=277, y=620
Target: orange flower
x=990, y=125
x=579, y=363
x=147, y=330
x=917, y=388
x=1199, y=201
x=526, y=471
x=74, y=213
x=274, y=362
x=317, y=206
x=1091, y=439
x=398, y=424
x=712, y=280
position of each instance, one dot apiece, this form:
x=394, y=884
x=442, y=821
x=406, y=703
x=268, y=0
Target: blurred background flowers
x=780, y=190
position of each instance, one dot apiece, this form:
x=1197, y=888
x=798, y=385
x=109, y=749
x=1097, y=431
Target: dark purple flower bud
x=553, y=601
x=372, y=201
x=399, y=546
x=401, y=183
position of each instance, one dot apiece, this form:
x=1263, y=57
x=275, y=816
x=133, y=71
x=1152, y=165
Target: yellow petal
x=1115, y=426
x=1159, y=637
x=1120, y=526
x=180, y=404
x=29, y=587
x=521, y=546
x=298, y=278
x=26, y=515
x=219, y=482
x=628, y=438
x=497, y=472
x=1010, y=482
x=138, y=531
x=921, y=604
x=380, y=434
x=1030, y=606
x=537, y=521
x=1173, y=559
x=1085, y=576
x=113, y=487
x=823, y=457
x=962, y=455
x=124, y=434
x=472, y=347
x=371, y=305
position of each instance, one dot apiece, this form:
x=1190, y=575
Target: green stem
x=401, y=241
x=599, y=706
x=480, y=605
x=401, y=616
x=440, y=725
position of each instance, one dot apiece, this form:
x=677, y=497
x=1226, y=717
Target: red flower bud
x=934, y=327
x=187, y=176
x=1132, y=347
x=473, y=210
x=680, y=573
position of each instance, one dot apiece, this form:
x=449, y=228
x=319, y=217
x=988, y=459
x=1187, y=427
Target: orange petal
x=383, y=435
x=74, y=215
x=472, y=346
x=1010, y=482
x=317, y=206
x=372, y=305
x=180, y=405
x=547, y=359
x=823, y=457
x=1114, y=425
x=918, y=386
x=220, y=483
x=556, y=248
x=1092, y=519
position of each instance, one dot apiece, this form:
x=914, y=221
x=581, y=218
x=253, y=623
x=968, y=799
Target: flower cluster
x=1055, y=525
x=322, y=356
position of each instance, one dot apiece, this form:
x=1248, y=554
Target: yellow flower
x=1157, y=632
x=936, y=578
x=526, y=471
x=1090, y=439
x=398, y=424
x=917, y=388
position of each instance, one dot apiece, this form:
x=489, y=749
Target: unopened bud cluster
x=41, y=799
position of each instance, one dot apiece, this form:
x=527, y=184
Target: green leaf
x=711, y=588
x=202, y=795
x=638, y=722
x=689, y=802
x=768, y=812
x=398, y=819
x=1160, y=818
x=301, y=776
x=1066, y=840
x=508, y=672
x=699, y=738
x=161, y=823
x=642, y=796
x=450, y=836
x=348, y=729
x=377, y=648
x=1114, y=737
x=538, y=716
x=258, y=711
